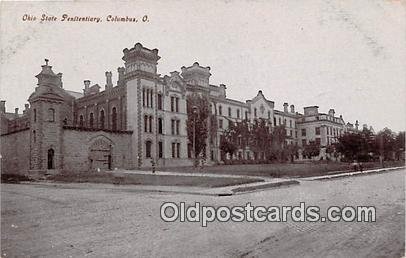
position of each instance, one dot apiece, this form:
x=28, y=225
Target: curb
x=355, y=173
x=243, y=189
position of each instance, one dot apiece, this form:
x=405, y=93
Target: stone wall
x=15, y=152
x=77, y=144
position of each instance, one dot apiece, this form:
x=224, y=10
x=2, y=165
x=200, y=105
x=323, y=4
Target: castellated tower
x=141, y=82
x=46, y=122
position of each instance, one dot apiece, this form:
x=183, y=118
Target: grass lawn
x=153, y=179
x=282, y=170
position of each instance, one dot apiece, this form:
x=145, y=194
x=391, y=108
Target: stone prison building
x=140, y=118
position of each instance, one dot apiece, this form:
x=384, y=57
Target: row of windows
x=148, y=125
x=330, y=131
x=102, y=120
x=175, y=149
x=147, y=100
x=220, y=112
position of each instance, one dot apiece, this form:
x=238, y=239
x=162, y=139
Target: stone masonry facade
x=138, y=121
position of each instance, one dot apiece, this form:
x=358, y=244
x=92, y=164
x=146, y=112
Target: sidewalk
x=215, y=191
x=353, y=173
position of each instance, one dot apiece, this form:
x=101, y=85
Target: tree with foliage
x=386, y=143
x=278, y=140
x=312, y=149
x=260, y=137
x=197, y=122
x=357, y=146
x=400, y=144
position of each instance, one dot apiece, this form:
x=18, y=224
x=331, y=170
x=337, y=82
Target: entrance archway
x=100, y=155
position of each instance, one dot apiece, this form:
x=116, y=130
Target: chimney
x=331, y=112
x=120, y=71
x=109, y=83
x=16, y=112
x=60, y=79
x=285, y=107
x=223, y=90
x=292, y=109
x=26, y=106
x=3, y=106
x=87, y=84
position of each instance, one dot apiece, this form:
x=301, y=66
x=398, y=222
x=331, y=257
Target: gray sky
x=346, y=55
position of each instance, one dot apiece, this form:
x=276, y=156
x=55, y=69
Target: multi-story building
x=138, y=121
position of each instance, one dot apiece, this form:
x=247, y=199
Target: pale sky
x=346, y=55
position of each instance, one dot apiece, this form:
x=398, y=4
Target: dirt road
x=62, y=222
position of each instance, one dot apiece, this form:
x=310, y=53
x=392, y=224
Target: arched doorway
x=51, y=156
x=100, y=155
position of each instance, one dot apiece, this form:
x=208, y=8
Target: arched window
x=102, y=119
x=81, y=121
x=51, y=115
x=51, y=154
x=114, y=119
x=91, y=120
x=148, y=145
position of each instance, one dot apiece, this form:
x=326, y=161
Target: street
x=40, y=220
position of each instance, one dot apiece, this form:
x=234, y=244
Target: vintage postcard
x=203, y=128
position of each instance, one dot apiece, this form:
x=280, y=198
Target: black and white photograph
x=218, y=128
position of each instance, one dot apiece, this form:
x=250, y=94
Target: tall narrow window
x=160, y=101
x=255, y=112
x=220, y=110
x=91, y=120
x=238, y=113
x=274, y=121
x=114, y=119
x=172, y=104
x=51, y=115
x=147, y=97
x=173, y=150
x=177, y=104
x=150, y=124
x=51, y=163
x=177, y=126
x=269, y=114
x=178, y=150
x=160, y=125
x=102, y=119
x=229, y=112
x=81, y=121
x=145, y=123
x=172, y=127
x=35, y=115
x=143, y=97
x=246, y=115
x=221, y=123
x=317, y=130
x=151, y=96
x=34, y=136
x=160, y=150
x=148, y=145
